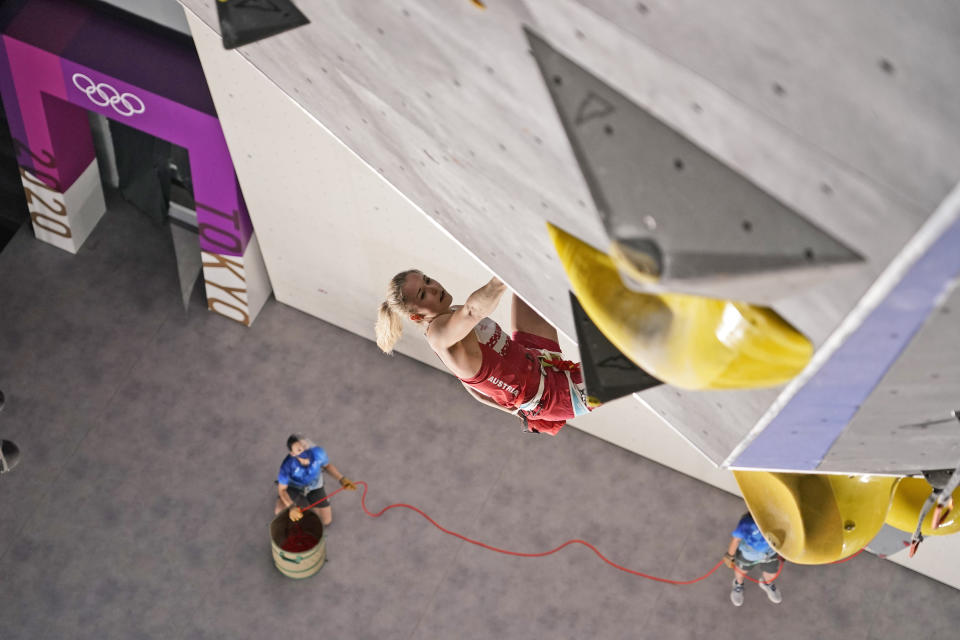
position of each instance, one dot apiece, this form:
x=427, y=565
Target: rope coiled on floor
x=400, y=505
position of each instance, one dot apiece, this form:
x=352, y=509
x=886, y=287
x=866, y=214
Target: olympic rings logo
x=103, y=95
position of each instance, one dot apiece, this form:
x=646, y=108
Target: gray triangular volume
x=654, y=188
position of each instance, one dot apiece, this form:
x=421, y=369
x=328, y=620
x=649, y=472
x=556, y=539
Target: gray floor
x=151, y=437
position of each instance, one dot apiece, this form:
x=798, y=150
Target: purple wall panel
x=37, y=73
x=10, y=104
x=70, y=136
x=49, y=24
x=801, y=435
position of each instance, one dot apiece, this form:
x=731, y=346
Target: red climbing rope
x=363, y=505
x=850, y=557
x=298, y=540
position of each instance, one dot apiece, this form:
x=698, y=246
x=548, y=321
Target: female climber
x=524, y=373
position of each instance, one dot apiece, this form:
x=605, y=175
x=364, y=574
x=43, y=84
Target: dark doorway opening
x=13, y=201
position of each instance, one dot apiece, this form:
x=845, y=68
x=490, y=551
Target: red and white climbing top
x=528, y=373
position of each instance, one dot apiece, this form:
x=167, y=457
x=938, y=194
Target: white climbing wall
x=843, y=112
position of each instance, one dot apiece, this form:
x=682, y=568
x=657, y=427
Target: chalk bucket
x=299, y=548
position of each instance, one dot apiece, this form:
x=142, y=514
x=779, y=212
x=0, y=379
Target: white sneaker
x=736, y=594
x=772, y=592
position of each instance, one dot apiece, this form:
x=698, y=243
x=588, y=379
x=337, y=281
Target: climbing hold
x=908, y=500
x=607, y=373
x=245, y=21
x=814, y=518
x=687, y=341
x=639, y=168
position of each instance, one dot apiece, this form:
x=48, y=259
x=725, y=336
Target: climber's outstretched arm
x=449, y=329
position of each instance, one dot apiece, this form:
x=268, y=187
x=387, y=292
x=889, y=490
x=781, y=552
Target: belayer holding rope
x=300, y=480
x=748, y=549
x=523, y=373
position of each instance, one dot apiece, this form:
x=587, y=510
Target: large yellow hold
x=687, y=341
x=908, y=501
x=816, y=519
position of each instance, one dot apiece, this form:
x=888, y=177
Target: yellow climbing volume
x=908, y=501
x=687, y=341
x=815, y=518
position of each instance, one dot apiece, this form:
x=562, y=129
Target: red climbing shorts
x=563, y=387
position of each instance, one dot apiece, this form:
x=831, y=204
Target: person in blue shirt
x=748, y=549
x=300, y=480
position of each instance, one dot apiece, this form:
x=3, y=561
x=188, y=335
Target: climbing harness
x=547, y=359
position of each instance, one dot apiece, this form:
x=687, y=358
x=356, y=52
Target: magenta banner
x=60, y=58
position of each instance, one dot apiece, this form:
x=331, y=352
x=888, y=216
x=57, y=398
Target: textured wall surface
x=334, y=232
x=842, y=113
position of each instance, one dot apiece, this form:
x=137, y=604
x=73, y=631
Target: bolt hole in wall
x=153, y=176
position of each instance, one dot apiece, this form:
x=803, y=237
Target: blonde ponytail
x=389, y=328
x=389, y=325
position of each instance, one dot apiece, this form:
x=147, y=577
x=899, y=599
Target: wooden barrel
x=298, y=564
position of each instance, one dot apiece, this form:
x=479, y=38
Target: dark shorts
x=767, y=566
x=296, y=494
